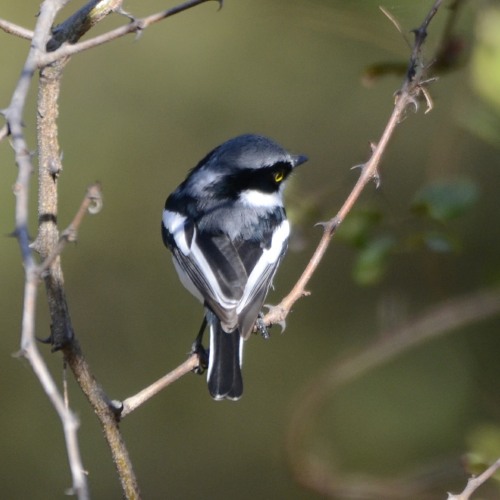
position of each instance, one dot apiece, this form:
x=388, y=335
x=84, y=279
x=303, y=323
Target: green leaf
x=372, y=261
x=443, y=201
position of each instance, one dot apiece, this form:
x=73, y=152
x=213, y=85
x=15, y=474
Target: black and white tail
x=224, y=364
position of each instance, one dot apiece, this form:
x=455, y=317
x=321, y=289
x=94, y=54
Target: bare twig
x=308, y=469
x=4, y=132
x=29, y=350
x=92, y=203
x=48, y=243
x=475, y=482
x=133, y=402
x=136, y=26
x=407, y=96
x=14, y=29
x=73, y=28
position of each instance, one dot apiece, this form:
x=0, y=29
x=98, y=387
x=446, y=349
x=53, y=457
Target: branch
x=133, y=402
x=73, y=28
x=68, y=419
x=48, y=242
x=406, y=96
x=92, y=203
x=14, y=116
x=135, y=26
x=475, y=482
x=4, y=132
x=14, y=29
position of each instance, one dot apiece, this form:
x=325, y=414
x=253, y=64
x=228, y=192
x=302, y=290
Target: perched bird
x=227, y=230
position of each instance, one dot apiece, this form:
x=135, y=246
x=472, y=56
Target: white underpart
x=186, y=281
x=254, y=198
x=268, y=257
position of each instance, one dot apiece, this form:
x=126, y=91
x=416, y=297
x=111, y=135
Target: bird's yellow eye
x=279, y=176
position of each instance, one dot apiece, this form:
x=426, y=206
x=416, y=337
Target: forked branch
x=49, y=243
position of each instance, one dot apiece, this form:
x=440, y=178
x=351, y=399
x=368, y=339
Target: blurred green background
x=136, y=114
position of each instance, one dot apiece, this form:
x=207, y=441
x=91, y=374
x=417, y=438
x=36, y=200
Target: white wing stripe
x=174, y=222
x=206, y=271
x=268, y=258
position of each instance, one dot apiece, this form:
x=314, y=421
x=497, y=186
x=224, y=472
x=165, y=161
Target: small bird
x=227, y=230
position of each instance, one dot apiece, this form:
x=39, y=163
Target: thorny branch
x=407, y=96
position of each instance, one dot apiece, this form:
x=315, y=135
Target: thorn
x=221, y=4
x=330, y=225
x=281, y=323
x=139, y=31
x=70, y=234
x=47, y=340
x=376, y=179
x=396, y=24
x=428, y=99
x=122, y=12
x=420, y=34
x=413, y=102
x=373, y=146
x=361, y=166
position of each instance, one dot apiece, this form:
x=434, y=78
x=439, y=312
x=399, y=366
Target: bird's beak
x=298, y=160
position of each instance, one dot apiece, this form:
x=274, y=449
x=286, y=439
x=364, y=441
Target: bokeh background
x=136, y=114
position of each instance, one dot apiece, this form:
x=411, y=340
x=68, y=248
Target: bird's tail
x=224, y=364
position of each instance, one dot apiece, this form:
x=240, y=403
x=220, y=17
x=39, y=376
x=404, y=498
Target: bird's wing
x=212, y=265
x=261, y=266
x=231, y=277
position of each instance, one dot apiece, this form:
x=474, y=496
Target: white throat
x=258, y=199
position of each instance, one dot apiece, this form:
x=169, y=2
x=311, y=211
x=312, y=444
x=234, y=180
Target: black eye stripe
x=264, y=179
